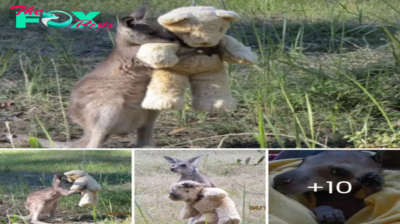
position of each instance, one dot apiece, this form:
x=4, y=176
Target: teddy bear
x=197, y=27
x=207, y=204
x=86, y=184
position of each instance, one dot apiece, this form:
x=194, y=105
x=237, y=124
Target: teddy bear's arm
x=215, y=194
x=79, y=184
x=188, y=212
x=232, y=51
x=158, y=55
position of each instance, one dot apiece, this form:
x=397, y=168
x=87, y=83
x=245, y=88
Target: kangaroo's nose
x=172, y=169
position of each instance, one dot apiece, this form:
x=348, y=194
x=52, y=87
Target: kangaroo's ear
x=195, y=160
x=388, y=159
x=171, y=160
x=128, y=21
x=142, y=12
x=376, y=156
x=57, y=176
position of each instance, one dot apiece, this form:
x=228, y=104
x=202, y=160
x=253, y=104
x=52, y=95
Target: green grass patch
x=23, y=172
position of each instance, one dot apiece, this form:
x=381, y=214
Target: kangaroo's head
x=135, y=29
x=184, y=166
x=61, y=183
x=330, y=165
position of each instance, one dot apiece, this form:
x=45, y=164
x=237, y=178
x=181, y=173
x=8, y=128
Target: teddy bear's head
x=73, y=175
x=198, y=26
x=188, y=191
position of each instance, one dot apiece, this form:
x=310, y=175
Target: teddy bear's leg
x=165, y=91
x=225, y=216
x=87, y=199
x=207, y=218
x=211, y=92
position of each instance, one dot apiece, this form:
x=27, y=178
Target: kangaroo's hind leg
x=145, y=133
x=97, y=138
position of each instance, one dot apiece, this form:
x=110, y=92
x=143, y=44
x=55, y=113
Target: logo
x=50, y=19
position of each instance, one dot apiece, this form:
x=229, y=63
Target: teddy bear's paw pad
x=163, y=103
x=215, y=106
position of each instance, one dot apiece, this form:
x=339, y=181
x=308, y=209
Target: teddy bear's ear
x=172, y=18
x=228, y=15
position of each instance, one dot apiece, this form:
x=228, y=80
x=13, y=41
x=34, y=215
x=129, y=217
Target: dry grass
x=325, y=75
x=245, y=183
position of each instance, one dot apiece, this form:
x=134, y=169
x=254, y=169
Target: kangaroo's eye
x=339, y=172
x=183, y=165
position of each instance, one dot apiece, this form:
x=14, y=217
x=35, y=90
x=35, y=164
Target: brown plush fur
x=212, y=203
x=206, y=75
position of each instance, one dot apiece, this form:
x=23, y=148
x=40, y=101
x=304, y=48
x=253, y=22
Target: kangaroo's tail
x=26, y=141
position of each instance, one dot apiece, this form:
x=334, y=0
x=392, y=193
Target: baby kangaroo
x=354, y=167
x=188, y=170
x=108, y=100
x=46, y=201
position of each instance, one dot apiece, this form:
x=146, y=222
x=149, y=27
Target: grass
x=23, y=172
x=227, y=169
x=327, y=75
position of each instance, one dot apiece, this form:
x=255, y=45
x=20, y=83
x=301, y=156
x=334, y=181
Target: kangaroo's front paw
x=209, y=51
x=329, y=215
x=371, y=180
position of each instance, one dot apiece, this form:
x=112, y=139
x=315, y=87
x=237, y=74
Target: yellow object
x=382, y=207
